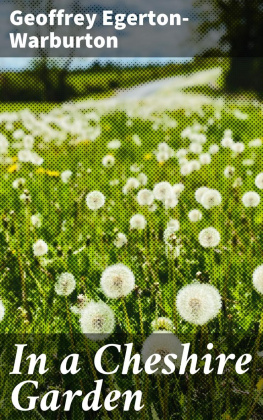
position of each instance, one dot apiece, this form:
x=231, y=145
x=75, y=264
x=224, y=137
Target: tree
x=239, y=26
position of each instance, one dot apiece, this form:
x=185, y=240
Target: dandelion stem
x=126, y=316
x=70, y=324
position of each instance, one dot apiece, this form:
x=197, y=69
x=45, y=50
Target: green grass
x=81, y=241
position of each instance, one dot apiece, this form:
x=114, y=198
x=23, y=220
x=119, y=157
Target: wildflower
x=229, y=171
x=199, y=193
x=36, y=220
x=255, y=143
x=131, y=184
x=19, y=182
x=238, y=147
x=258, y=279
x=97, y=320
x=227, y=142
x=120, y=240
x=178, y=189
x=108, y=161
x=148, y=156
x=211, y=198
x=142, y=178
x=162, y=190
x=117, y=281
x=12, y=168
x=2, y=310
x=40, y=248
x=213, y=149
x=209, y=237
x=170, y=202
x=198, y=303
x=259, y=181
x=136, y=140
x=251, y=199
x=114, y=144
x=95, y=200
x=138, y=221
x=173, y=224
x=24, y=155
x=162, y=343
x=195, y=215
x=205, y=159
x=65, y=175
x=195, y=148
x=145, y=197
x=65, y=284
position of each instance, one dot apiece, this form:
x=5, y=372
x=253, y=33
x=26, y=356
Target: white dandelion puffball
x=209, y=237
x=108, y=161
x=199, y=193
x=251, y=199
x=205, y=158
x=174, y=224
x=171, y=202
x=117, y=281
x=131, y=184
x=229, y=171
x=227, y=142
x=2, y=310
x=259, y=181
x=65, y=284
x=258, y=279
x=120, y=240
x=36, y=220
x=19, y=182
x=195, y=148
x=65, y=175
x=195, y=215
x=97, y=320
x=213, y=149
x=238, y=147
x=178, y=189
x=142, y=178
x=40, y=248
x=169, y=236
x=114, y=144
x=95, y=200
x=163, y=343
x=145, y=197
x=162, y=190
x=211, y=198
x=198, y=303
x=138, y=221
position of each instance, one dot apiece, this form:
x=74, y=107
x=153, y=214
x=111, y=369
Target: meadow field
x=136, y=218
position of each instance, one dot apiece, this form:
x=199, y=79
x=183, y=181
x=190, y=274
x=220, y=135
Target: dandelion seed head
x=95, y=200
x=163, y=343
x=162, y=323
x=65, y=284
x=195, y=215
x=259, y=181
x=162, y=190
x=138, y=221
x=40, y=248
x=211, y=198
x=198, y=303
x=145, y=197
x=97, y=320
x=2, y=310
x=117, y=281
x=258, y=279
x=120, y=240
x=251, y=199
x=209, y=237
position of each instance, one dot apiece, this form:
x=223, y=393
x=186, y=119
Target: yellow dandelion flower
x=161, y=163
x=14, y=158
x=52, y=173
x=40, y=171
x=12, y=168
x=148, y=156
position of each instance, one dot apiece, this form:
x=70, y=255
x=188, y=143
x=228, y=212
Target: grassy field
x=121, y=154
